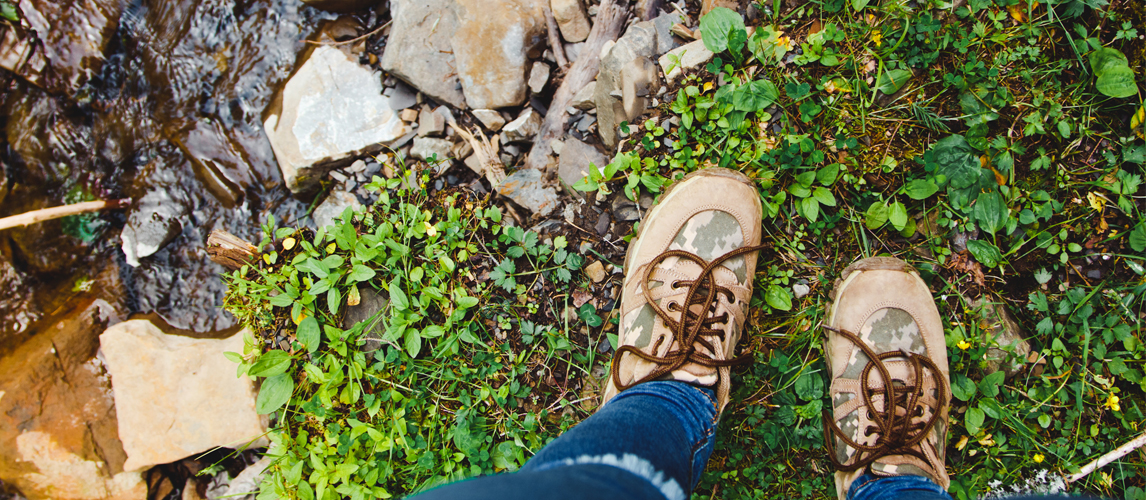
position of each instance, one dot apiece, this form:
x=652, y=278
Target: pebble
x=602, y=224
x=801, y=290
x=595, y=271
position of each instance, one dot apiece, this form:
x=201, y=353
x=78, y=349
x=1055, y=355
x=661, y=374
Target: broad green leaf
x=755, y=95
x=281, y=300
x=274, y=393
x=973, y=420
x=467, y=302
x=1106, y=57
x=824, y=196
x=984, y=252
x=898, y=216
x=271, y=364
x=397, y=296
x=962, y=387
x=1117, y=81
x=827, y=174
x=991, y=212
x=1138, y=238
x=309, y=334
x=361, y=273
x=810, y=386
x=920, y=189
x=413, y=342
x=811, y=208
x=891, y=81
x=778, y=298
x=955, y=159
x=432, y=332
x=858, y=5
x=333, y=301
x=717, y=27
x=876, y=215
x=989, y=386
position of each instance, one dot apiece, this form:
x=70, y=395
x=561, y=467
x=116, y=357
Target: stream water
x=172, y=118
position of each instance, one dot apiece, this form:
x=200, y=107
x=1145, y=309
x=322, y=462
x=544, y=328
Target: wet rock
x=18, y=55
x=527, y=124
x=431, y=123
x=176, y=396
x=427, y=147
x=638, y=79
x=58, y=424
x=420, y=50
x=73, y=37
x=571, y=19
x=538, y=77
x=218, y=162
x=491, y=45
x=595, y=271
x=367, y=311
x=49, y=246
x=689, y=56
x=345, y=6
x=333, y=206
x=583, y=99
x=490, y=118
x=576, y=160
x=153, y=222
x=997, y=324
x=330, y=111
x=526, y=188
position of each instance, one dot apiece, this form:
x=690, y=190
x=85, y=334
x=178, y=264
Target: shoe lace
x=692, y=326
x=898, y=428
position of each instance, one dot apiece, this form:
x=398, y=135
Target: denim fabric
x=871, y=487
x=650, y=442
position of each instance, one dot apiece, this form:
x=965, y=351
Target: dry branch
x=230, y=251
x=554, y=38
x=486, y=152
x=1105, y=460
x=37, y=216
x=611, y=18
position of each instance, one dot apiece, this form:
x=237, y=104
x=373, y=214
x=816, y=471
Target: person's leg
x=688, y=281
x=909, y=487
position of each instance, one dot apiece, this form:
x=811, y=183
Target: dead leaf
x=962, y=262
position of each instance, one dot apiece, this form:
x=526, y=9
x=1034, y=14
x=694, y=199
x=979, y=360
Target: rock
x=401, y=96
x=490, y=118
x=595, y=271
x=343, y=6
x=153, y=222
x=689, y=56
x=492, y=45
x=640, y=40
x=583, y=99
x=333, y=206
x=638, y=79
x=246, y=485
x=538, y=77
x=408, y=115
x=431, y=122
x=218, y=162
x=666, y=39
x=575, y=160
x=420, y=50
x=425, y=147
x=801, y=290
x=72, y=38
x=573, y=50
x=329, y=112
x=526, y=188
x=527, y=124
x=997, y=324
x=177, y=396
x=58, y=426
x=571, y=19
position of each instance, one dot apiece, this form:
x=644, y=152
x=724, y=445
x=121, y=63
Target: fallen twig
x=486, y=152
x=352, y=40
x=230, y=251
x=1104, y=460
x=611, y=18
x=43, y=214
x=555, y=39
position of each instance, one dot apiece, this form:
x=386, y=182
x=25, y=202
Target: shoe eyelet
x=675, y=285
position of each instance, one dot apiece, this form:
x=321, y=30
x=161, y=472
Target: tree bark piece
x=554, y=38
x=230, y=251
x=611, y=17
x=44, y=214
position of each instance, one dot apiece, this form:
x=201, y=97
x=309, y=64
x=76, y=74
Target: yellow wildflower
x=877, y=38
x=1096, y=201
x=1038, y=458
x=963, y=345
x=1112, y=402
x=785, y=42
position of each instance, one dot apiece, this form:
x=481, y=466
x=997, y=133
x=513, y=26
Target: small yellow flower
x=288, y=243
x=1038, y=458
x=785, y=42
x=1112, y=402
x=877, y=38
x=963, y=345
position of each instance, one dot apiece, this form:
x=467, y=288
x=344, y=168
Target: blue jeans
x=650, y=442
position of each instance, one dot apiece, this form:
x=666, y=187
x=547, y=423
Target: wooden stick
x=554, y=38
x=1105, y=460
x=611, y=18
x=230, y=251
x=37, y=216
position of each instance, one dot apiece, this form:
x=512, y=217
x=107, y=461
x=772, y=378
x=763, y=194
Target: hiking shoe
x=890, y=386
x=688, y=280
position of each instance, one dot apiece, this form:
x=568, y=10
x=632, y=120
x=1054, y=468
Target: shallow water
x=173, y=119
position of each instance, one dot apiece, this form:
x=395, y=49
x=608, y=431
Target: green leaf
x=1138, y=238
x=824, y=196
x=361, y=273
x=413, y=342
x=718, y=26
x=858, y=5
x=920, y=189
x=811, y=208
x=989, y=386
x=891, y=81
x=810, y=386
x=433, y=332
x=876, y=215
x=991, y=212
x=962, y=387
x=397, y=296
x=333, y=301
x=984, y=252
x=778, y=298
x=898, y=216
x=281, y=300
x=8, y=11
x=755, y=95
x=1106, y=57
x=1117, y=82
x=309, y=334
x=973, y=420
x=466, y=302
x=271, y=364
x=274, y=393
x=827, y=174
x=955, y=159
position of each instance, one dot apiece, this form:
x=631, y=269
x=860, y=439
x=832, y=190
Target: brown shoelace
x=897, y=433
x=692, y=327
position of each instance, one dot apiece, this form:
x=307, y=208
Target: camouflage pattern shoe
x=688, y=280
x=890, y=386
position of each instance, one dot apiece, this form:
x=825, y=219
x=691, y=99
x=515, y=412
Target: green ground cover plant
x=997, y=145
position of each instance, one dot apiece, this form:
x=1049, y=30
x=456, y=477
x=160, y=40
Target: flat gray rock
x=526, y=188
x=420, y=50
x=575, y=160
x=491, y=47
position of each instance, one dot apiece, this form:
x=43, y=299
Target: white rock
x=800, y=290
x=527, y=124
x=177, y=396
x=424, y=147
x=538, y=77
x=332, y=109
x=490, y=118
x=688, y=56
x=571, y=18
x=332, y=207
